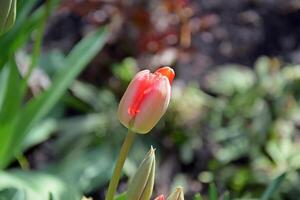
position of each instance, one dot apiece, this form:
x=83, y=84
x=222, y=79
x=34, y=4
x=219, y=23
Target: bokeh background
x=234, y=118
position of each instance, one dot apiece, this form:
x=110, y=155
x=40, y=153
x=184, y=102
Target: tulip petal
x=168, y=72
x=129, y=96
x=154, y=105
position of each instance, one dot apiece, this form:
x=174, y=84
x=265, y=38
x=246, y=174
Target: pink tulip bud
x=161, y=197
x=146, y=99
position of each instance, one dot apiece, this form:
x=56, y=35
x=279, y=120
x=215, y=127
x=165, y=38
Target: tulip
x=7, y=14
x=143, y=104
x=141, y=185
x=177, y=195
x=146, y=99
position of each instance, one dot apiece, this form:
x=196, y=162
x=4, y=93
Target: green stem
x=37, y=44
x=39, y=38
x=113, y=184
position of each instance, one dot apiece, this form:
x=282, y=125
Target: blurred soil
x=192, y=35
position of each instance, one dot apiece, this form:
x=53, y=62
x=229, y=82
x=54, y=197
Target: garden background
x=232, y=126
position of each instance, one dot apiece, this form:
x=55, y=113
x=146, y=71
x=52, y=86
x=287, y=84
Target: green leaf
x=213, y=194
x=125, y=70
x=230, y=79
x=262, y=66
x=51, y=196
x=12, y=94
x=122, y=196
x=226, y=196
x=4, y=77
x=10, y=104
x=40, y=133
x=35, y=185
x=52, y=61
x=91, y=169
x=12, y=194
x=37, y=108
x=273, y=187
x=78, y=58
x=198, y=196
x=11, y=40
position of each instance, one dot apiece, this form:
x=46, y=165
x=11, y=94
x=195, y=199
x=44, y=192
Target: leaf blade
x=273, y=186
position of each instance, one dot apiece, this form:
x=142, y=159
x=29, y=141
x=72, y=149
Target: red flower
x=146, y=99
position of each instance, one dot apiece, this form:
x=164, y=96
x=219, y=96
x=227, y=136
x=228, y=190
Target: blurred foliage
x=239, y=130
x=27, y=185
x=20, y=118
x=249, y=118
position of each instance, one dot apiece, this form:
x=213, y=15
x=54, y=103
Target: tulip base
x=113, y=184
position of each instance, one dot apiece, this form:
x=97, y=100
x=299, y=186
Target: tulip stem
x=113, y=184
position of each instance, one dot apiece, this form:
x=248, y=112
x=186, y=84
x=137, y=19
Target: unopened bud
x=141, y=185
x=177, y=195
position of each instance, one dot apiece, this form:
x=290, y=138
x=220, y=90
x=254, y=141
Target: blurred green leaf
x=273, y=187
x=125, y=70
x=12, y=194
x=198, y=196
x=213, y=194
x=52, y=61
x=86, y=168
x=10, y=105
x=27, y=20
x=122, y=196
x=85, y=92
x=37, y=108
x=262, y=67
x=226, y=196
x=12, y=94
x=230, y=79
x=40, y=133
x=35, y=185
x=4, y=75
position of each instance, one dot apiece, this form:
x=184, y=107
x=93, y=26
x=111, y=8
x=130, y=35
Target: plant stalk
x=113, y=184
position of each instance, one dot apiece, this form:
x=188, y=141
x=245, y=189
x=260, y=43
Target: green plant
x=19, y=116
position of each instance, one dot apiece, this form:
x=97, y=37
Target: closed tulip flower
x=146, y=99
x=143, y=104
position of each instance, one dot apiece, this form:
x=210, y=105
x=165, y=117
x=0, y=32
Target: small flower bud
x=177, y=195
x=141, y=185
x=7, y=14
